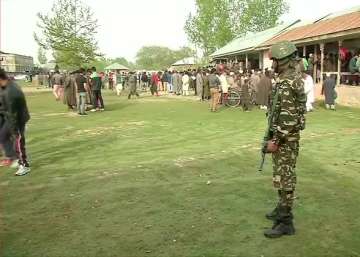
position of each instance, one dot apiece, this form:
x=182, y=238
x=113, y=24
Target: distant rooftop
x=251, y=40
x=185, y=61
x=333, y=23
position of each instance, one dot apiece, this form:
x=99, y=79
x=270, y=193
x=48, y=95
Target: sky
x=127, y=25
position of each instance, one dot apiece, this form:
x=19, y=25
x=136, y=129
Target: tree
x=210, y=27
x=69, y=31
x=160, y=58
x=216, y=22
x=255, y=15
x=42, y=56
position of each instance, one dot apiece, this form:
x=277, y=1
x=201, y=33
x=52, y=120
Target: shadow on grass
x=117, y=106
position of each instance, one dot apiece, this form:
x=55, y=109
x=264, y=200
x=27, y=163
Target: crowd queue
x=81, y=90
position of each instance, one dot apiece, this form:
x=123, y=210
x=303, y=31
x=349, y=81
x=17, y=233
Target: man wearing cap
x=287, y=114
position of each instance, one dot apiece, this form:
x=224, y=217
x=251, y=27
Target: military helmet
x=282, y=50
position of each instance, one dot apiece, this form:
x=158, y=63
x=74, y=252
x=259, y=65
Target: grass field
x=133, y=182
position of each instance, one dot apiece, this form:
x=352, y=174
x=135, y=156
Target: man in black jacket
x=14, y=112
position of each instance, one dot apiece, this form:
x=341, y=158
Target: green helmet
x=282, y=50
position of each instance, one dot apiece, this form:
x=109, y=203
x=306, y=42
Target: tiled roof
x=326, y=26
x=250, y=41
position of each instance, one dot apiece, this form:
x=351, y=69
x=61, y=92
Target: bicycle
x=233, y=98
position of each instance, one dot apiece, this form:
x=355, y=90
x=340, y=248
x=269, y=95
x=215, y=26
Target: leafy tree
x=216, y=22
x=100, y=63
x=69, y=31
x=42, y=56
x=255, y=15
x=160, y=58
x=210, y=27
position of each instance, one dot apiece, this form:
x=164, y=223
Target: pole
x=246, y=61
x=322, y=48
x=316, y=63
x=339, y=64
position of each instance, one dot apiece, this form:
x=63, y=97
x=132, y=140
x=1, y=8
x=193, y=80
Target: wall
x=14, y=63
x=347, y=95
x=266, y=60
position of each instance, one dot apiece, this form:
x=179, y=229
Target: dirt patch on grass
x=351, y=131
x=183, y=161
x=103, y=130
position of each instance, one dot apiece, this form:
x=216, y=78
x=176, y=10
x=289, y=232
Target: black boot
x=274, y=214
x=283, y=226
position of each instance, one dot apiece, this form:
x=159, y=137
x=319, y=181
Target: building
x=116, y=67
x=16, y=63
x=243, y=50
x=331, y=40
x=185, y=64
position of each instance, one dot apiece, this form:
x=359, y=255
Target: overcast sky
x=127, y=25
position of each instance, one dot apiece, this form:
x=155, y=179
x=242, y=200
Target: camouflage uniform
x=132, y=81
x=288, y=121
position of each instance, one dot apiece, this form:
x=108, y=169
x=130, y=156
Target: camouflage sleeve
x=299, y=90
x=290, y=110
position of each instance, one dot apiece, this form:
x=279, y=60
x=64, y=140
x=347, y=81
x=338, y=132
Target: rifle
x=268, y=133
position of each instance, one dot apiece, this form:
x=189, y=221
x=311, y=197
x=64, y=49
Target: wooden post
x=322, y=48
x=246, y=61
x=304, y=52
x=316, y=61
x=339, y=64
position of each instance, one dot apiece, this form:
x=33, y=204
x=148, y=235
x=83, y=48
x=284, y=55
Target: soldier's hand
x=272, y=147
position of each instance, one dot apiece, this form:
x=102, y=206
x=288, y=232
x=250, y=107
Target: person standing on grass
x=179, y=75
x=186, y=84
x=96, y=85
x=286, y=121
x=206, y=87
x=58, y=82
x=69, y=91
x=170, y=82
x=200, y=85
x=15, y=115
x=328, y=89
x=80, y=82
x=214, y=85
x=154, y=84
x=132, y=82
x=264, y=90
x=245, y=93
x=144, y=81
x=224, y=86
x=309, y=91
x=254, y=83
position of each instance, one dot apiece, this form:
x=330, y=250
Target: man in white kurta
x=309, y=87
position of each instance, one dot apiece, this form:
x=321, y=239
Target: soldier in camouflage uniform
x=288, y=119
x=132, y=83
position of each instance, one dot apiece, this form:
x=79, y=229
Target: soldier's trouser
x=284, y=175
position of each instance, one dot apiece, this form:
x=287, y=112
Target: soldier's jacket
x=132, y=82
x=289, y=110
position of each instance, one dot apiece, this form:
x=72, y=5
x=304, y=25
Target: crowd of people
x=81, y=90
x=214, y=83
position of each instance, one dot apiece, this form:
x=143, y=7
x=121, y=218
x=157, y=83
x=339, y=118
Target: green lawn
x=133, y=182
